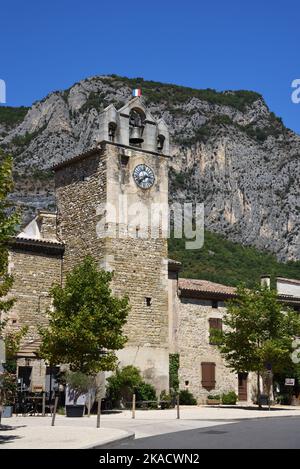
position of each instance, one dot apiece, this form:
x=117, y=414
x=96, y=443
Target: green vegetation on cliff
x=11, y=116
x=223, y=261
x=156, y=92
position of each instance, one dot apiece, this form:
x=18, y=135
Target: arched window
x=160, y=142
x=136, y=127
x=136, y=118
x=112, y=131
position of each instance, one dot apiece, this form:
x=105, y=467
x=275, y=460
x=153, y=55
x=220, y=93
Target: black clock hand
x=143, y=177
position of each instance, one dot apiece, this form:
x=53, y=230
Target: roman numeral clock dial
x=143, y=176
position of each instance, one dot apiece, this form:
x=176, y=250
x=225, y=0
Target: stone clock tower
x=108, y=198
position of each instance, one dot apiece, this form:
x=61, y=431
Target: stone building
x=95, y=196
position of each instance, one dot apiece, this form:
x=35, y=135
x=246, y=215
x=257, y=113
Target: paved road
x=280, y=432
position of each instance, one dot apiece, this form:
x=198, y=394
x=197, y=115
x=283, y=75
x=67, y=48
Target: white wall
x=288, y=287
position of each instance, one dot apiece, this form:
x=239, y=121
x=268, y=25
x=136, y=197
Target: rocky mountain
x=228, y=151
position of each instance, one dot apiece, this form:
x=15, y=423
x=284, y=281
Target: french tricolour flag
x=137, y=92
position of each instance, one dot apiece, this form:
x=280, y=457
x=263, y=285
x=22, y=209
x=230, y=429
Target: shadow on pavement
x=8, y=438
x=253, y=408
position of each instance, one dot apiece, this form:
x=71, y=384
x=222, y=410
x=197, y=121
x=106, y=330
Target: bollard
x=44, y=404
x=133, y=406
x=54, y=411
x=89, y=405
x=98, y=412
x=178, y=410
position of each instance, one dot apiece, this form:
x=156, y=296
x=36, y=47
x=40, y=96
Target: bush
x=230, y=398
x=186, y=398
x=167, y=401
x=124, y=383
x=146, y=392
x=8, y=388
x=215, y=397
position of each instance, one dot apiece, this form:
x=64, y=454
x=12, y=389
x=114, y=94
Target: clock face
x=143, y=176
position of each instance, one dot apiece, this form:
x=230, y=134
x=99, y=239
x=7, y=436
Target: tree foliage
x=79, y=384
x=8, y=379
x=12, y=340
x=258, y=333
x=223, y=261
x=85, y=324
x=173, y=372
x=8, y=224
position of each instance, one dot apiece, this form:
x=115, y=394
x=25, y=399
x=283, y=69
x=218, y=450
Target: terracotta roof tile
x=29, y=349
x=38, y=241
x=205, y=286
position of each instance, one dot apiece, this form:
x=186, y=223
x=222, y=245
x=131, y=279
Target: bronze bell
x=136, y=136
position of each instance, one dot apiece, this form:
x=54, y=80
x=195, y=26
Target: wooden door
x=243, y=386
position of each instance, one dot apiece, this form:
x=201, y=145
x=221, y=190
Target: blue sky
x=49, y=45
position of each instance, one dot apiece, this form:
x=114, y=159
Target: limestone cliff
x=228, y=150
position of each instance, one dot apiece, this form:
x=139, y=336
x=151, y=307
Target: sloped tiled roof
x=37, y=244
x=41, y=241
x=205, y=287
x=29, y=349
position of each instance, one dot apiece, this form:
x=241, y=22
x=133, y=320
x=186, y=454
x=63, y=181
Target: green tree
x=12, y=340
x=8, y=223
x=8, y=379
x=258, y=333
x=85, y=324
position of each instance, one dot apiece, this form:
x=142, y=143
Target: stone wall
x=194, y=348
x=34, y=273
x=47, y=225
x=139, y=261
x=80, y=189
x=139, y=264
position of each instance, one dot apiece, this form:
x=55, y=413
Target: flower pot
x=74, y=410
x=7, y=411
x=213, y=402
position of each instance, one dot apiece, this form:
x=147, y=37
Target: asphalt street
x=269, y=433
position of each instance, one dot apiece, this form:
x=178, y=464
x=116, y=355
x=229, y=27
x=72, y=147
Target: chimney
x=265, y=281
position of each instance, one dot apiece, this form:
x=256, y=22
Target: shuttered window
x=214, y=323
x=208, y=375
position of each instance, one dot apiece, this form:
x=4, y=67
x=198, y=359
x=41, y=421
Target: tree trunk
x=258, y=390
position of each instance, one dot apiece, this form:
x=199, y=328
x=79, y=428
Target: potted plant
x=8, y=378
x=213, y=399
x=8, y=392
x=77, y=384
